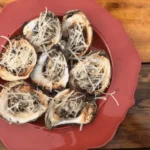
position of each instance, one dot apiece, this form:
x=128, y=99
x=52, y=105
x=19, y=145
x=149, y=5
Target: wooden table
x=134, y=132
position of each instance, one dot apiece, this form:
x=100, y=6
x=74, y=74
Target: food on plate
x=91, y=74
x=70, y=107
x=20, y=103
x=17, y=59
x=43, y=31
x=51, y=71
x=77, y=32
x=53, y=55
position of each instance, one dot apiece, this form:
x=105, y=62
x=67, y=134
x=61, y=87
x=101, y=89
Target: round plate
x=126, y=65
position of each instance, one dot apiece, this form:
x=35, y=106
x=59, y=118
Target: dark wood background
x=134, y=132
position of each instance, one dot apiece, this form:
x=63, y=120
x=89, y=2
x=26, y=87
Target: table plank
x=135, y=16
x=134, y=132
x=5, y=2
x=2, y=147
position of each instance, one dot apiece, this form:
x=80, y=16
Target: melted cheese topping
x=22, y=99
x=51, y=71
x=17, y=56
x=69, y=105
x=19, y=101
x=56, y=66
x=89, y=76
x=76, y=39
x=89, y=73
x=46, y=29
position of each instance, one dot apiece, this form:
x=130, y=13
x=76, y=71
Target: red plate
x=110, y=35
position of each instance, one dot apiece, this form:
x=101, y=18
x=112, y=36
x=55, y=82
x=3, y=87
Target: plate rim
x=134, y=86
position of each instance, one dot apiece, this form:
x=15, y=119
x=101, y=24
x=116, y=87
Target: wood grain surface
x=134, y=132
x=135, y=17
